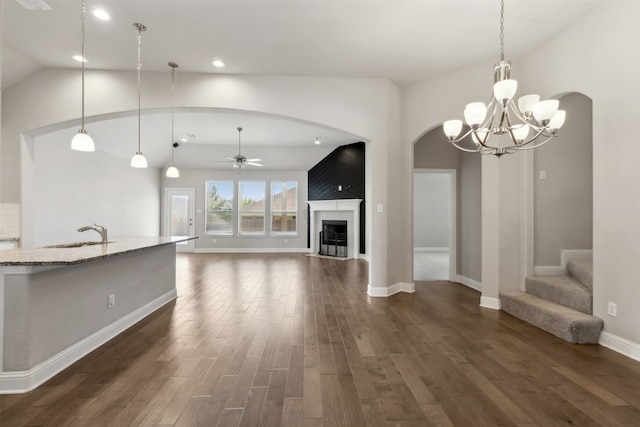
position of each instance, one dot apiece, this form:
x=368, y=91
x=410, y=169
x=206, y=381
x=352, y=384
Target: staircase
x=560, y=305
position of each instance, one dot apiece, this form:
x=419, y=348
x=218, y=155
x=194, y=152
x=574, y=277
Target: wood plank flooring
x=292, y=340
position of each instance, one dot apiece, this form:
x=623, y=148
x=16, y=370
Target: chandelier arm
x=540, y=144
x=469, y=150
x=535, y=138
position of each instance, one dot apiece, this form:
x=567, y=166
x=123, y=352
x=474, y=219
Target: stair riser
x=573, y=296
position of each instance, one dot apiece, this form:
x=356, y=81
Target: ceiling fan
x=239, y=161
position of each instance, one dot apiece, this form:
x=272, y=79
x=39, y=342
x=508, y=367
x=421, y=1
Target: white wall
x=606, y=71
x=74, y=189
x=431, y=210
x=365, y=107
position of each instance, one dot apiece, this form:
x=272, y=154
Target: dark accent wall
x=340, y=175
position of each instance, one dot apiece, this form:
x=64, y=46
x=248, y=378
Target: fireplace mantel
x=336, y=205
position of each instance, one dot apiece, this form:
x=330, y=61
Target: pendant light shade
x=138, y=160
x=173, y=172
x=82, y=141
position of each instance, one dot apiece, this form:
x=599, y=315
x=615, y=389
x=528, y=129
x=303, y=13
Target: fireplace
x=333, y=238
x=344, y=210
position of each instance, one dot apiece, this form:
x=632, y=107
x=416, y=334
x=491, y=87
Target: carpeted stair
x=560, y=305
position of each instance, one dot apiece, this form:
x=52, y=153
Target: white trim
x=364, y=257
x=391, y=290
x=620, y=345
x=473, y=284
x=335, y=205
x=249, y=250
x=565, y=256
x=25, y=381
x=431, y=249
x=569, y=254
x=549, y=270
x=492, y=303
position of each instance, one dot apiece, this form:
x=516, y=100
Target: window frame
x=232, y=204
x=284, y=185
x=242, y=233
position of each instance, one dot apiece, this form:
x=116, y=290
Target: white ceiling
x=404, y=41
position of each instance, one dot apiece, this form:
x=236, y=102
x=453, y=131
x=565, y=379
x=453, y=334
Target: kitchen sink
x=74, y=245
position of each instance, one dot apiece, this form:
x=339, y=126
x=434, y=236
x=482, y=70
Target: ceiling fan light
x=82, y=142
x=173, y=172
x=138, y=161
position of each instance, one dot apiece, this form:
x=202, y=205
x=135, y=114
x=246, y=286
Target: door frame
x=188, y=246
x=453, y=219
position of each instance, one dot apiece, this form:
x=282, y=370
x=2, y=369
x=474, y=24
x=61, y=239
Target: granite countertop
x=69, y=256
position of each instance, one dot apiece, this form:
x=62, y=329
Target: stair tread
x=564, y=322
x=562, y=290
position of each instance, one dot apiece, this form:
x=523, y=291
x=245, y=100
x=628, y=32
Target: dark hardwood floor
x=292, y=340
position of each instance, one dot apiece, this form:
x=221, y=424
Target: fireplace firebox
x=333, y=238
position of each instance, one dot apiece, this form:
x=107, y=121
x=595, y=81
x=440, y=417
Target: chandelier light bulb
x=138, y=161
x=543, y=111
x=558, y=120
x=520, y=132
x=504, y=90
x=452, y=128
x=82, y=142
x=474, y=113
x=525, y=104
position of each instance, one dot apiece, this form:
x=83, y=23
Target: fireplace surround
x=335, y=210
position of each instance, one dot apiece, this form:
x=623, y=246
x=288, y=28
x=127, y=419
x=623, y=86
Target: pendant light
x=138, y=161
x=82, y=141
x=172, y=171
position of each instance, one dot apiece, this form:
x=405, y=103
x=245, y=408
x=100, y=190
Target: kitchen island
x=59, y=304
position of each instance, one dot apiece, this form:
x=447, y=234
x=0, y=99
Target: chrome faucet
x=100, y=229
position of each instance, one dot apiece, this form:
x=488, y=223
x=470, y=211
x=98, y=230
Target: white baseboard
x=469, y=282
x=25, y=381
x=249, y=250
x=565, y=256
x=569, y=254
x=390, y=290
x=431, y=249
x=549, y=270
x=620, y=345
x=492, y=303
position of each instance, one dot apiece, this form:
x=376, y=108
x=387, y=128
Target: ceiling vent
x=34, y=4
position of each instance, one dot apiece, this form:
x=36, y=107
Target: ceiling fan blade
x=254, y=164
x=254, y=160
x=233, y=159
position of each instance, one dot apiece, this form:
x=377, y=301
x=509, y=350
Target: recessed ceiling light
x=101, y=14
x=79, y=58
x=218, y=63
x=317, y=141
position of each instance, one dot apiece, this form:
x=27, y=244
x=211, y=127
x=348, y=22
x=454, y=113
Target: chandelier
x=501, y=127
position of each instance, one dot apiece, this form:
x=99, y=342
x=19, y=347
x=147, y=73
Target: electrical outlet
x=543, y=174
x=612, y=309
x=112, y=300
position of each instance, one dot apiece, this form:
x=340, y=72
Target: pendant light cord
x=82, y=14
x=501, y=30
x=139, y=67
x=173, y=96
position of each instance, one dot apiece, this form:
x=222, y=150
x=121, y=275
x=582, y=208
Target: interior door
x=179, y=219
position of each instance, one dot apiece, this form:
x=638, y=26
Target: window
x=252, y=206
x=284, y=207
x=219, y=218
